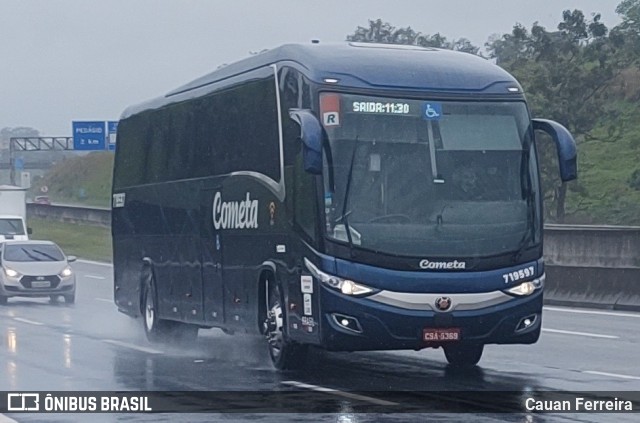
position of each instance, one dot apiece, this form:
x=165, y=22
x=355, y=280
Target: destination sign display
x=381, y=107
x=334, y=105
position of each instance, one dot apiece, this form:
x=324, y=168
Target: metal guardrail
x=71, y=213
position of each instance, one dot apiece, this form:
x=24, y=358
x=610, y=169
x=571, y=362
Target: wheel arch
x=267, y=272
x=146, y=277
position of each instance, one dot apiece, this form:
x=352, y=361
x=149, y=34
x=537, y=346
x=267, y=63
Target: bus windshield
x=427, y=178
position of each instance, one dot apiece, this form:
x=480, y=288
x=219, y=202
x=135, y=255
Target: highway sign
x=89, y=135
x=112, y=129
x=25, y=180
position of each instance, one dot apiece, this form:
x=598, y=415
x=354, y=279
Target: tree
x=565, y=74
x=385, y=33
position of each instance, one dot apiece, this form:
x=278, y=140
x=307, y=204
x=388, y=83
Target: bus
x=347, y=197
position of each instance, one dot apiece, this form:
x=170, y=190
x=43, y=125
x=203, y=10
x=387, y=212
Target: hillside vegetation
x=83, y=179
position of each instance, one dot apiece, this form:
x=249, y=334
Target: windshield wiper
x=49, y=256
x=345, y=214
x=28, y=254
x=437, y=179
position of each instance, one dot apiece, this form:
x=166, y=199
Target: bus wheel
x=156, y=330
x=285, y=354
x=463, y=355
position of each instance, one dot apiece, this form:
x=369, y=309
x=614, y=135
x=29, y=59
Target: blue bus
x=349, y=197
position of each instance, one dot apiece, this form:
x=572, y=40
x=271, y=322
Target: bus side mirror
x=311, y=137
x=565, y=144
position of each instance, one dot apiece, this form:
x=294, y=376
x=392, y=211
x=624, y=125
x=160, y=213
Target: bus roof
x=368, y=65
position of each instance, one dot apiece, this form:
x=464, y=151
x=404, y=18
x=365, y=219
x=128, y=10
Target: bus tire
x=157, y=330
x=284, y=353
x=463, y=355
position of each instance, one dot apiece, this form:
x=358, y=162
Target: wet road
x=89, y=346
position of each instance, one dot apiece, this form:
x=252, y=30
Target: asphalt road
x=89, y=346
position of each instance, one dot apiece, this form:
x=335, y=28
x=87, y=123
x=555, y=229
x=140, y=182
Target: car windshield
x=40, y=252
x=423, y=178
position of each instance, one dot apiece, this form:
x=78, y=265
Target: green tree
x=566, y=75
x=385, y=33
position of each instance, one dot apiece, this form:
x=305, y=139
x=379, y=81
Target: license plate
x=40, y=284
x=441, y=334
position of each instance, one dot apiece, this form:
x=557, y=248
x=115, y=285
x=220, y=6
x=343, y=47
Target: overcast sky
x=65, y=60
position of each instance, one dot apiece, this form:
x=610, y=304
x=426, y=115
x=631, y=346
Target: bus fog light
x=526, y=322
x=347, y=322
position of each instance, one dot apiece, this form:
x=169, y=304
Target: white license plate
x=441, y=334
x=40, y=284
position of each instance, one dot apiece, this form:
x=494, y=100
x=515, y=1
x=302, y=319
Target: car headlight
x=529, y=287
x=11, y=273
x=66, y=272
x=346, y=286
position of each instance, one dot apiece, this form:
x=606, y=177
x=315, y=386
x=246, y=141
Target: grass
x=84, y=179
x=83, y=241
x=605, y=169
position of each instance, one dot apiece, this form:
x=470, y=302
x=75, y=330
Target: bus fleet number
x=527, y=272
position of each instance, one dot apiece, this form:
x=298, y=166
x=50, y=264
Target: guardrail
x=70, y=213
x=595, y=266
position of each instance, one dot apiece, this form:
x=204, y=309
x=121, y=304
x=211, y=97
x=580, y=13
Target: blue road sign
x=112, y=129
x=18, y=163
x=89, y=136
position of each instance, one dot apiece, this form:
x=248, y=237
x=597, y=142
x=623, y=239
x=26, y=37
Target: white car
x=35, y=269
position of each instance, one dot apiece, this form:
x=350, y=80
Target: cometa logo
x=235, y=214
x=426, y=264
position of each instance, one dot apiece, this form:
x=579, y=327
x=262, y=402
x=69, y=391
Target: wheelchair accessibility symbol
x=432, y=111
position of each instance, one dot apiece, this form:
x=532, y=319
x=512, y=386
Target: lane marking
x=106, y=300
x=94, y=277
x=600, y=313
x=568, y=332
x=5, y=419
x=97, y=263
x=132, y=346
x=339, y=393
x=27, y=321
x=593, y=372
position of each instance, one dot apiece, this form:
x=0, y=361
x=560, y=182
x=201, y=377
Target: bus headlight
x=346, y=286
x=528, y=288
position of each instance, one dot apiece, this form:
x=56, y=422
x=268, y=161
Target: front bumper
x=386, y=327
x=21, y=291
